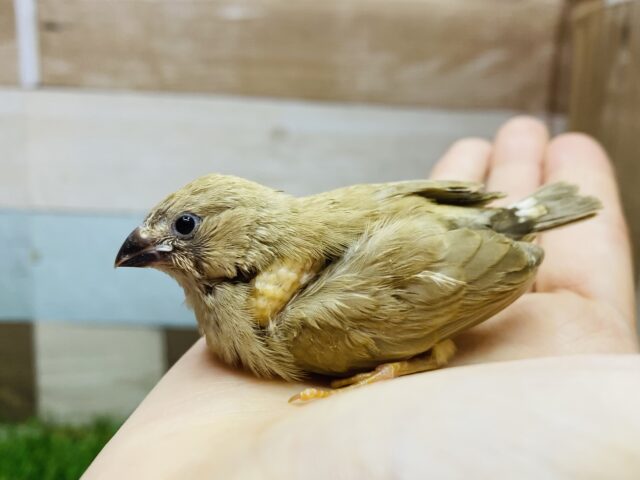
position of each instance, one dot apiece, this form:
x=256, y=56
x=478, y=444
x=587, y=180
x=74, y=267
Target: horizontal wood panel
x=59, y=267
x=16, y=279
x=71, y=160
x=8, y=45
x=125, y=152
x=442, y=53
x=13, y=149
x=89, y=371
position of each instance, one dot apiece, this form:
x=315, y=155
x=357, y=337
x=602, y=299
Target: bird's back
x=348, y=212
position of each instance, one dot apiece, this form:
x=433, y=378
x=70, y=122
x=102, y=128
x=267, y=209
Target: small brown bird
x=371, y=281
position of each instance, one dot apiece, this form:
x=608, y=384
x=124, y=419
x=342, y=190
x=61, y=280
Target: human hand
x=555, y=416
x=583, y=297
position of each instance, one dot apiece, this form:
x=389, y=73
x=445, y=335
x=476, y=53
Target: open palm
x=583, y=298
x=552, y=357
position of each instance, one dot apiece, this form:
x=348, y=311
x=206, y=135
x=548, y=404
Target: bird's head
x=215, y=228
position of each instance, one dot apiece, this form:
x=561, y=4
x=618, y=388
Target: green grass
x=37, y=450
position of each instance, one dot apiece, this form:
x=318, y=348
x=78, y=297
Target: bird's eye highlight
x=185, y=224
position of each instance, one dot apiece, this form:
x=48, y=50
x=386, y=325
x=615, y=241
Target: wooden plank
x=100, y=293
x=106, y=158
x=178, y=341
x=8, y=46
x=442, y=53
x=125, y=152
x=605, y=88
x=16, y=266
x=17, y=372
x=13, y=149
x=89, y=371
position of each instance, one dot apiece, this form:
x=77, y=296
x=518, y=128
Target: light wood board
x=89, y=371
x=125, y=152
x=8, y=46
x=440, y=53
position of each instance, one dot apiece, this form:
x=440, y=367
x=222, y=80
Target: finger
x=592, y=258
x=516, y=161
x=467, y=160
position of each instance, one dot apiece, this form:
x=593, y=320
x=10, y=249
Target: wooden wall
x=71, y=161
x=8, y=47
x=79, y=169
x=605, y=91
x=490, y=54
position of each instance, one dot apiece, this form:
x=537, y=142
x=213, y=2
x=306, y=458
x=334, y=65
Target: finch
x=364, y=283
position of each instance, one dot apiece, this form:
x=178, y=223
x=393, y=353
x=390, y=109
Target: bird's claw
x=310, y=394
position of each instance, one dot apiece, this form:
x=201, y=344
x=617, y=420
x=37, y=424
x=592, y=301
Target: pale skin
x=548, y=388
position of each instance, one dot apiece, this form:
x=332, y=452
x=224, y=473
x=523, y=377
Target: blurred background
x=108, y=105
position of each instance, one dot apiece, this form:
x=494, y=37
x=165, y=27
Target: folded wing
x=405, y=285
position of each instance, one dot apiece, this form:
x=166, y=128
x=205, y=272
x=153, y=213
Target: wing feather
x=405, y=285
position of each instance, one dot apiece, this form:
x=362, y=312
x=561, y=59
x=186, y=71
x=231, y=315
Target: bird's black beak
x=139, y=251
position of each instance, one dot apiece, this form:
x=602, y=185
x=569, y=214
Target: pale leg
x=436, y=358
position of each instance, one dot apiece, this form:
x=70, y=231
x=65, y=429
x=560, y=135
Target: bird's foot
x=385, y=371
x=437, y=357
x=311, y=394
x=382, y=372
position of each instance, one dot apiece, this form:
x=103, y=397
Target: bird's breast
x=275, y=286
x=227, y=321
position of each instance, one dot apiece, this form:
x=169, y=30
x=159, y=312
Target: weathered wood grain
x=125, y=152
x=8, y=45
x=442, y=53
x=605, y=91
x=14, y=146
x=89, y=371
x=92, y=164
x=178, y=341
x=17, y=371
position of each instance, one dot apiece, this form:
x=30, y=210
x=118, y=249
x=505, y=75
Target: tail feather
x=551, y=206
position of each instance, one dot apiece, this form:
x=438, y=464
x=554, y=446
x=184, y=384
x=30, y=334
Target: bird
x=362, y=283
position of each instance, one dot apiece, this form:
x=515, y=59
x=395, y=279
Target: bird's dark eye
x=185, y=224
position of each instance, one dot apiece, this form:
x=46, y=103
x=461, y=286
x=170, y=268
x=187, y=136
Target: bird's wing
x=404, y=286
x=443, y=192
x=448, y=192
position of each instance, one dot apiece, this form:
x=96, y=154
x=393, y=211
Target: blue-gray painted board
x=15, y=262
x=60, y=267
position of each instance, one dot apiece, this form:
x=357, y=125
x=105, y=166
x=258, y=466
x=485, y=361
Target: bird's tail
x=551, y=206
